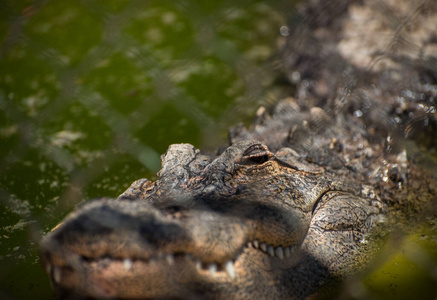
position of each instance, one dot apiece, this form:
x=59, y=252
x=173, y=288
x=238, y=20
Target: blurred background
x=92, y=93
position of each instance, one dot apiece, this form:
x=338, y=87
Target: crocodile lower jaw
x=102, y=275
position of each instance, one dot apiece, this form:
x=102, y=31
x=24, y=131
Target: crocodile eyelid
x=257, y=153
x=259, y=158
x=256, y=150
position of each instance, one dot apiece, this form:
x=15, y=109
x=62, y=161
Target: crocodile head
x=247, y=224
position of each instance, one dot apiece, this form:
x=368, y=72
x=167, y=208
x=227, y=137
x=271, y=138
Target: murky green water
x=407, y=266
x=92, y=92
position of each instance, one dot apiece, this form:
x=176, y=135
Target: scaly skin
x=164, y=239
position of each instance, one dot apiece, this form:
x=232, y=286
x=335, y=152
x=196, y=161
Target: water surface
x=93, y=92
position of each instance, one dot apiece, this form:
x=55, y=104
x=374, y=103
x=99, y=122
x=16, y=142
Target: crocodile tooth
x=381, y=219
x=127, y=264
x=270, y=250
x=229, y=267
x=287, y=252
x=170, y=259
x=198, y=265
x=212, y=269
x=249, y=245
x=279, y=252
x=263, y=247
x=256, y=244
x=57, y=274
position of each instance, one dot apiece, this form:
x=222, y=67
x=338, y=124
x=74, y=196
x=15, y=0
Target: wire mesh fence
x=92, y=93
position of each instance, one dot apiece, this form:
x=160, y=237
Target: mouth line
x=213, y=268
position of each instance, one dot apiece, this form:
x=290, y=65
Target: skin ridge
x=296, y=203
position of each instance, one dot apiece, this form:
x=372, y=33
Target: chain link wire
x=92, y=93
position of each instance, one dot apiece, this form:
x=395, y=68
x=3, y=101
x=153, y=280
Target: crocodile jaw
x=108, y=249
x=226, y=228
x=181, y=278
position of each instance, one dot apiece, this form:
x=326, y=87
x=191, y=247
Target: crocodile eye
x=259, y=159
x=257, y=153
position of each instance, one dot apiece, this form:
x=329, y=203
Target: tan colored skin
x=120, y=248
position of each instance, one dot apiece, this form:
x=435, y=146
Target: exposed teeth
x=287, y=252
x=270, y=250
x=198, y=265
x=229, y=267
x=212, y=269
x=263, y=247
x=279, y=253
x=170, y=259
x=127, y=264
x=57, y=274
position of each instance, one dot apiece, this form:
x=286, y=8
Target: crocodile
x=293, y=205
